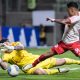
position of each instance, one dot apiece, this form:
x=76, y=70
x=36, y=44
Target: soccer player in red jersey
x=70, y=40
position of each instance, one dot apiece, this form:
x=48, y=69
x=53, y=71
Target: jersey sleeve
x=74, y=19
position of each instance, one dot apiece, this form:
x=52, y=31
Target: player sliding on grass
x=70, y=40
x=21, y=57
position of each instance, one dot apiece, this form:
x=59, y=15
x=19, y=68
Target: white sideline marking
x=74, y=69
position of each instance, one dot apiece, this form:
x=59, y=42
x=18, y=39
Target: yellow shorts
x=46, y=64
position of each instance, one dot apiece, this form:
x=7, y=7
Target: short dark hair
x=3, y=40
x=72, y=4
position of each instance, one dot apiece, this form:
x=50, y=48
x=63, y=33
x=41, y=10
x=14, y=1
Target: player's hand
x=26, y=67
x=47, y=19
x=9, y=47
x=50, y=19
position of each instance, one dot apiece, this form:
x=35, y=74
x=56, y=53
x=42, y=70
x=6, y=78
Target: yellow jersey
x=19, y=57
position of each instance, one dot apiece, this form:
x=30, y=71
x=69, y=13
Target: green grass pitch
x=72, y=75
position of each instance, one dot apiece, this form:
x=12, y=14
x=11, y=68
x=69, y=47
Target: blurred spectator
x=42, y=35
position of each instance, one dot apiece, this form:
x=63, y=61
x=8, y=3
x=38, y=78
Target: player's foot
x=63, y=70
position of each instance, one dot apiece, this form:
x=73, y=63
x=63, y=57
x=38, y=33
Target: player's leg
x=55, y=71
x=64, y=61
x=71, y=61
x=58, y=49
x=40, y=68
x=48, y=63
x=45, y=71
x=41, y=71
x=76, y=51
x=75, y=48
x=51, y=62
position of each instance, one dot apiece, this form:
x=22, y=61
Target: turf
x=72, y=75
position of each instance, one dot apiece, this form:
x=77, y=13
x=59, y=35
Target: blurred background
x=25, y=21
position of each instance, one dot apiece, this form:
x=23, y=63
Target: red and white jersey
x=71, y=33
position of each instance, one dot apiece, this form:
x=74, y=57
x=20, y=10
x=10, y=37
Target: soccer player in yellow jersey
x=21, y=57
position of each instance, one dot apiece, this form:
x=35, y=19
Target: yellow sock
x=71, y=61
x=51, y=71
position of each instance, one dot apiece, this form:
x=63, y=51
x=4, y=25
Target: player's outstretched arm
x=19, y=47
x=4, y=65
x=69, y=21
x=61, y=21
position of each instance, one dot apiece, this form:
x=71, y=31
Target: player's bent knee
x=40, y=71
x=63, y=60
x=60, y=62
